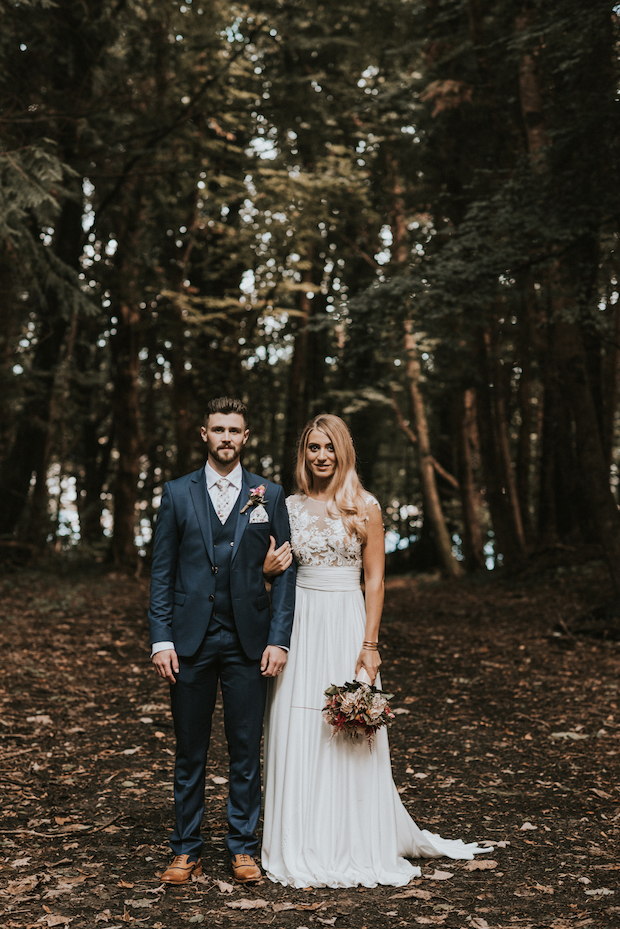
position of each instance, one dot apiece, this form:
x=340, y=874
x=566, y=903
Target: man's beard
x=221, y=459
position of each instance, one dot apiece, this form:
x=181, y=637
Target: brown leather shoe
x=245, y=869
x=181, y=870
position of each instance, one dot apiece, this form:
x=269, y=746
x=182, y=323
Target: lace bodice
x=319, y=539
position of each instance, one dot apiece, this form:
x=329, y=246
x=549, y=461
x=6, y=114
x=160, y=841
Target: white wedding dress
x=333, y=816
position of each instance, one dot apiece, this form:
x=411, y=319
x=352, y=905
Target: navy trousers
x=193, y=697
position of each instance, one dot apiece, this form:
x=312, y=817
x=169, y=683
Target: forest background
x=404, y=212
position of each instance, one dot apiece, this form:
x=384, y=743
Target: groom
x=210, y=618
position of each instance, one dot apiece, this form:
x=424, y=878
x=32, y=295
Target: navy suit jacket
x=183, y=578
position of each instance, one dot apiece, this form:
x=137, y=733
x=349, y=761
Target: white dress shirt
x=235, y=479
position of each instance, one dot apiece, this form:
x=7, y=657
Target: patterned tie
x=222, y=500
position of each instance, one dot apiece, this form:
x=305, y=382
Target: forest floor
x=508, y=731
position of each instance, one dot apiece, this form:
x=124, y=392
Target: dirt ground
x=508, y=731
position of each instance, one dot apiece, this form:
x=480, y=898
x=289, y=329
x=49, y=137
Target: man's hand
x=165, y=663
x=273, y=661
x=277, y=560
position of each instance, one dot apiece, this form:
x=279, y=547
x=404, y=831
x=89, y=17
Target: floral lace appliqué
x=318, y=539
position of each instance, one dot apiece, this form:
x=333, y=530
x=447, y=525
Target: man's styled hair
x=226, y=405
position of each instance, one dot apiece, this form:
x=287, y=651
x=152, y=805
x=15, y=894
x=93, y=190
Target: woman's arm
x=373, y=559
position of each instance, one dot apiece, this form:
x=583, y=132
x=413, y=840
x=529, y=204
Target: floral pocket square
x=259, y=515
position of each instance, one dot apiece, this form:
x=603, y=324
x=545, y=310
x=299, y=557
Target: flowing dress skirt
x=333, y=816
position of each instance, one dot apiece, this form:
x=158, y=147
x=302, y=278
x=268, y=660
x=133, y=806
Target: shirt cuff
x=160, y=647
x=283, y=647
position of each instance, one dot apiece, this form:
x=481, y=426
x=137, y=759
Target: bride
x=333, y=816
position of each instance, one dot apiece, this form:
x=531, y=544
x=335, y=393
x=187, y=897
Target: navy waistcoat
x=223, y=538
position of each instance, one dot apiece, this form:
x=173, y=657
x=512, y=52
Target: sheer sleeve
x=371, y=501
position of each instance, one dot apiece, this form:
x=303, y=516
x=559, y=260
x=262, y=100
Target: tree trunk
x=496, y=460
x=530, y=96
x=572, y=362
x=125, y=407
x=185, y=425
x=9, y=327
x=529, y=417
x=500, y=424
x=547, y=510
x=612, y=388
x=505, y=542
x=182, y=393
x=571, y=356
x=464, y=416
x=92, y=411
x=432, y=502
x=297, y=403
x=96, y=461
x=29, y=453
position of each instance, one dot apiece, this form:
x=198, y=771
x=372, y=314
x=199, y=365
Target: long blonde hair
x=348, y=497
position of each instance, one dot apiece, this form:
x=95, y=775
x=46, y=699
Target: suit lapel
x=244, y=518
x=198, y=491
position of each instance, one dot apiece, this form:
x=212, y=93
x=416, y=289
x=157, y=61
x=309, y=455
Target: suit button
x=211, y=598
x=214, y=569
x=231, y=544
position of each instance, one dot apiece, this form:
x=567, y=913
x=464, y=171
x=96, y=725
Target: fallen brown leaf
x=245, y=904
x=302, y=907
x=439, y=875
x=412, y=892
x=22, y=886
x=485, y=864
x=225, y=887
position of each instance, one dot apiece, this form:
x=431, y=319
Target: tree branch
x=445, y=474
x=402, y=422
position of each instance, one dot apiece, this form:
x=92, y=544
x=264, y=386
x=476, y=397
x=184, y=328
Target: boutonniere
x=257, y=495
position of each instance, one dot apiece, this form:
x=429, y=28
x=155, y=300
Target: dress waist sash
x=326, y=577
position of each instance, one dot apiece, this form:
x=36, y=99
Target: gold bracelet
x=371, y=646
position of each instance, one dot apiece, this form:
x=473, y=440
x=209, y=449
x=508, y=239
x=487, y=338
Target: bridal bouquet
x=357, y=708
